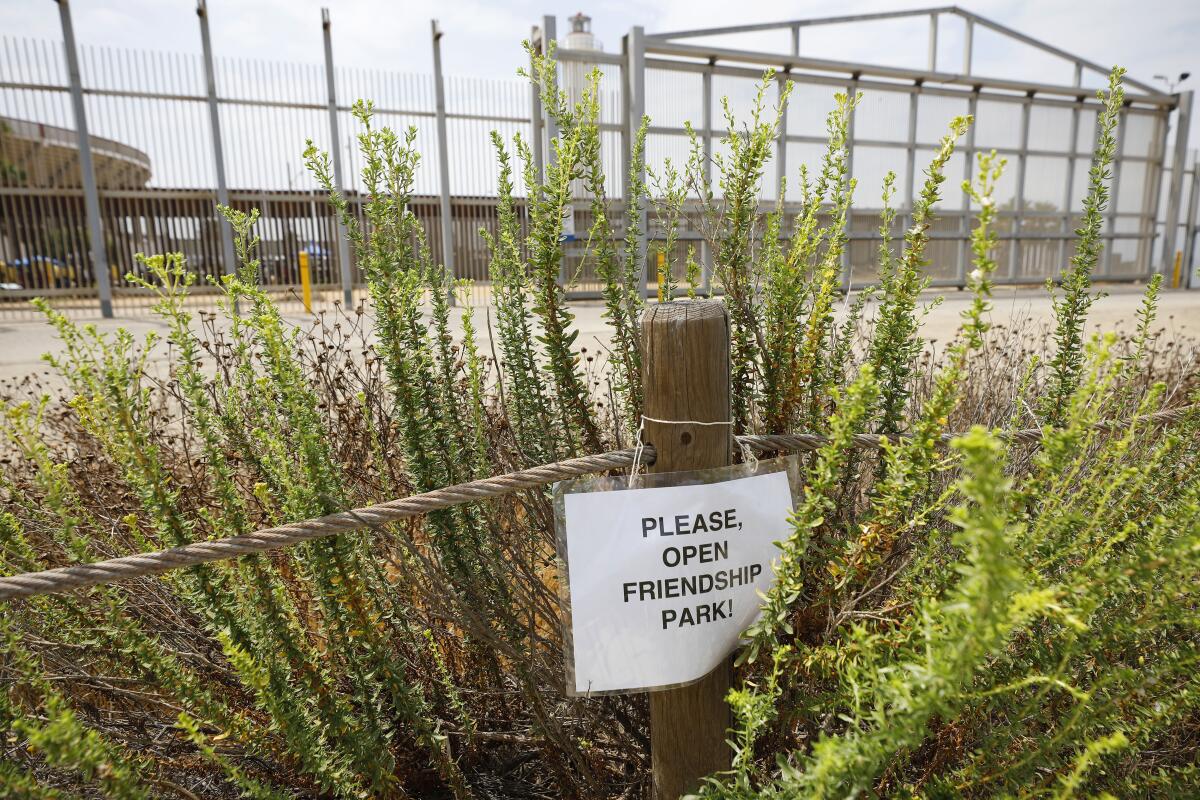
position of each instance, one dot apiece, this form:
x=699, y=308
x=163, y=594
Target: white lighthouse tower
x=580, y=39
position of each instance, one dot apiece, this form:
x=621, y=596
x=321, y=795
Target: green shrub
x=992, y=619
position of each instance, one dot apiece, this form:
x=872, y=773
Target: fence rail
x=169, y=135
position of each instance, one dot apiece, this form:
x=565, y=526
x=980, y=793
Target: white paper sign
x=663, y=580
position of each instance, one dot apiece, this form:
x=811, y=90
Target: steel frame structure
x=676, y=52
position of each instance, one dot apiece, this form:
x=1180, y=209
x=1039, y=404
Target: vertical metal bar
x=1189, y=233
x=549, y=42
x=1070, y=182
x=1149, y=220
x=968, y=174
x=706, y=254
x=439, y=93
x=851, y=93
x=795, y=40
x=91, y=197
x=968, y=46
x=229, y=266
x=537, y=40
x=1014, y=252
x=549, y=36
x=1114, y=195
x=335, y=152
x=636, y=73
x=910, y=155
x=933, y=41
x=781, y=143
x=1183, y=123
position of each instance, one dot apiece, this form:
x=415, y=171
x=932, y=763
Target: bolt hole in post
x=685, y=438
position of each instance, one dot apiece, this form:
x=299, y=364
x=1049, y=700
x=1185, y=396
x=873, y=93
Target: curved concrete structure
x=48, y=156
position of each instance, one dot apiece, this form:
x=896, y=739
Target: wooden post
x=685, y=376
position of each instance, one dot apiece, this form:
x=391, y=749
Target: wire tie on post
x=747, y=453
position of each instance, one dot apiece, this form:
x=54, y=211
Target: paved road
x=22, y=342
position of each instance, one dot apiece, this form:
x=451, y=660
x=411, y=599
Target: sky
x=482, y=37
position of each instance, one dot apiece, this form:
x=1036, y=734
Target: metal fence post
x=1069, y=183
x=214, y=119
x=537, y=42
x=847, y=262
x=933, y=41
x=706, y=253
x=781, y=141
x=91, y=197
x=910, y=154
x=685, y=371
x=963, y=258
x=635, y=88
x=335, y=152
x=1189, y=223
x=439, y=94
x=1014, y=252
x=1183, y=124
x=549, y=37
x=968, y=46
x=1114, y=193
x=1189, y=231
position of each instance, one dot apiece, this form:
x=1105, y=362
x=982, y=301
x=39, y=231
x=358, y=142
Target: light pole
x=1171, y=84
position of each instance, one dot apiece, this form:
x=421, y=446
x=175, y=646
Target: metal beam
x=589, y=56
x=712, y=54
x=852, y=18
x=800, y=23
x=91, y=197
x=1052, y=50
x=962, y=89
x=335, y=151
x=447, y=224
x=214, y=119
x=1183, y=124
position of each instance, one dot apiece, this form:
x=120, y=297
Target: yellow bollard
x=1178, y=269
x=305, y=281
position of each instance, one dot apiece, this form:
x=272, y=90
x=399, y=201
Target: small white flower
x=976, y=275
x=987, y=202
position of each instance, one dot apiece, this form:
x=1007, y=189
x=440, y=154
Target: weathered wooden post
x=685, y=375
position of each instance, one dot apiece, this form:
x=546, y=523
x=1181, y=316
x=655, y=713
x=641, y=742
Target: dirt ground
x=22, y=342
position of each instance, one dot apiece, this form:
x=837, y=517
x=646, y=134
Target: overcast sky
x=482, y=38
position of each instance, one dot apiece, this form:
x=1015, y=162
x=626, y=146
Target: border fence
x=105, y=153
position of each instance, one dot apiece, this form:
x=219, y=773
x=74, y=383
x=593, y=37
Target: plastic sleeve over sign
x=659, y=579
